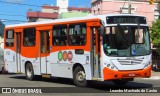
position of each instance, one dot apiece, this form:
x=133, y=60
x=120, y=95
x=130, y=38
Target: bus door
x=95, y=52
x=18, y=51
x=44, y=51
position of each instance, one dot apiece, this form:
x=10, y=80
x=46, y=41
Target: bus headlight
x=110, y=66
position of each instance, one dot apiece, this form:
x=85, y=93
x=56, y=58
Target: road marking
x=153, y=78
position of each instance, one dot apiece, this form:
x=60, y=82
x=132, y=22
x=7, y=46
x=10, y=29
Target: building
x=63, y=5
x=46, y=13
x=72, y=14
x=140, y=7
x=1, y=35
x=52, y=12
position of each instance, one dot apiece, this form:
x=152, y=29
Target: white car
x=1, y=61
x=1, y=67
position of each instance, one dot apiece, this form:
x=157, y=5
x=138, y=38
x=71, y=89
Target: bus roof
x=69, y=19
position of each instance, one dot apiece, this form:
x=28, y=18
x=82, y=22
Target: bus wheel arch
x=79, y=75
x=29, y=71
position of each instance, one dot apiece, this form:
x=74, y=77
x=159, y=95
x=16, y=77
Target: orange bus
x=103, y=47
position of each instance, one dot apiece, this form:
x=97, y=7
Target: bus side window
x=29, y=37
x=9, y=38
x=59, y=35
x=77, y=34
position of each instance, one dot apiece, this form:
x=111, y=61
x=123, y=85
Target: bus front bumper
x=111, y=74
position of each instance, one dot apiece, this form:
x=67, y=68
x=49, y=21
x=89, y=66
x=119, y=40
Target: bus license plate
x=131, y=75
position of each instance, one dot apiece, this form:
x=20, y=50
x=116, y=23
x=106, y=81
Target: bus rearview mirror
x=101, y=31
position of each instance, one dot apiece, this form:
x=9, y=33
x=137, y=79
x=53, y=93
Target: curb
x=153, y=78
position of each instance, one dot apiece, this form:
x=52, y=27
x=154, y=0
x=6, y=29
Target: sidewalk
x=154, y=73
x=154, y=76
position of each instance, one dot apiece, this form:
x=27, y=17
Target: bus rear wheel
x=29, y=71
x=79, y=77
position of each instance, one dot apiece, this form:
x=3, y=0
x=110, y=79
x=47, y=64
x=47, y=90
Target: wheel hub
x=29, y=72
x=81, y=76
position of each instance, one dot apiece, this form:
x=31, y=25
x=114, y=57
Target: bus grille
x=130, y=61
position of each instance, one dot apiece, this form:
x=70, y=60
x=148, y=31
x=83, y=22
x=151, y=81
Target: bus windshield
x=125, y=41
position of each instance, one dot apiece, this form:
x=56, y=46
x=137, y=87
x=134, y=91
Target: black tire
x=29, y=72
x=1, y=70
x=79, y=77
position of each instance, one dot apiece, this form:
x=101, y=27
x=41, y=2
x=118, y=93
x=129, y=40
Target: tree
x=2, y=26
x=155, y=34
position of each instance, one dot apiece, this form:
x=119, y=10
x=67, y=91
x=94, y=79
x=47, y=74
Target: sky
x=18, y=12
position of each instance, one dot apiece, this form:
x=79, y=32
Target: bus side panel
x=65, y=70
x=9, y=53
x=36, y=67
x=9, y=58
x=31, y=54
x=87, y=68
x=63, y=58
x=62, y=68
x=49, y=64
x=35, y=64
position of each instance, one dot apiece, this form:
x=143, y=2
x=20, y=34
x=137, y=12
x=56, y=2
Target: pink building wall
x=113, y=7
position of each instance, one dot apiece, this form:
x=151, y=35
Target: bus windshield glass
x=125, y=41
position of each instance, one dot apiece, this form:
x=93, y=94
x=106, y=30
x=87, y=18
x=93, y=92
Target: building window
x=156, y=13
x=59, y=35
x=29, y=36
x=55, y=11
x=10, y=38
x=125, y=10
x=30, y=19
x=77, y=34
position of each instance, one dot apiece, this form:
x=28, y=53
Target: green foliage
x=155, y=34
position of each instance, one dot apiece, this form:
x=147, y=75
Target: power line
x=12, y=15
x=23, y=4
x=6, y=20
x=120, y=11
x=19, y=3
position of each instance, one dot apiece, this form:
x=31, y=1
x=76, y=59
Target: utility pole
x=129, y=6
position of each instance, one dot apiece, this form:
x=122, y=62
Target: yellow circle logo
x=64, y=55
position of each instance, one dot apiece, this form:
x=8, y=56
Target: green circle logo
x=60, y=55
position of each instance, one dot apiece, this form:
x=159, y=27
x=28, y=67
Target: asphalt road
x=95, y=89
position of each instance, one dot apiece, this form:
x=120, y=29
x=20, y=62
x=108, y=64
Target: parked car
x=155, y=60
x=1, y=60
x=1, y=67
x=156, y=65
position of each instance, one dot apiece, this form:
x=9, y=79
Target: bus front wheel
x=79, y=77
x=29, y=71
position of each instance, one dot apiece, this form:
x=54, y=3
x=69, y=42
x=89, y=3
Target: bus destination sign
x=125, y=19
